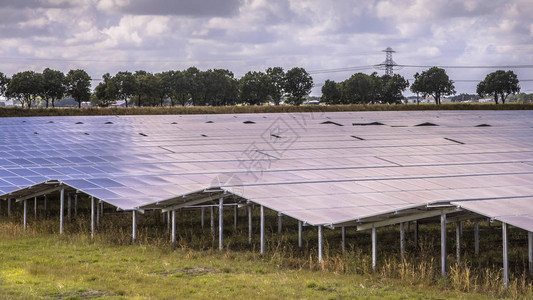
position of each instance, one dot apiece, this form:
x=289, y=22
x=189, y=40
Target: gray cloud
x=193, y=8
x=111, y=35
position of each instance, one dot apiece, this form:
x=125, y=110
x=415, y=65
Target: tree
x=167, y=86
x=195, y=85
x=53, y=86
x=147, y=88
x=126, y=84
x=434, y=82
x=298, y=84
x=254, y=88
x=331, y=93
x=25, y=87
x=360, y=88
x=78, y=84
x=106, y=92
x=277, y=82
x=499, y=83
x=392, y=88
x=4, y=81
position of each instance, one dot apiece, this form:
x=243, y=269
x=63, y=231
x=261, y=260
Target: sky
x=108, y=36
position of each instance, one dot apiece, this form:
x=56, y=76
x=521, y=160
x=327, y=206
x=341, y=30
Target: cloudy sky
x=103, y=36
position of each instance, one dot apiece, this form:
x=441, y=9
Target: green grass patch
x=39, y=263
x=180, y=110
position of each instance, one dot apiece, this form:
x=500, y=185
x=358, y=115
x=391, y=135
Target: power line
x=472, y=67
x=380, y=66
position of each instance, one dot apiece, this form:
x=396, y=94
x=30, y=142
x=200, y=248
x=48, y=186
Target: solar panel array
x=320, y=168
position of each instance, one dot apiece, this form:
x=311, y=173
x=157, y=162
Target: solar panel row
x=303, y=165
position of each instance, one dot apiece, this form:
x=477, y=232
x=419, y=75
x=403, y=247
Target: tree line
x=220, y=87
x=362, y=88
x=140, y=88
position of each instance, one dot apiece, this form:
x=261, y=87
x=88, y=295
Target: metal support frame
x=505, y=256
x=76, y=205
x=392, y=221
x=202, y=216
x=35, y=207
x=530, y=251
x=43, y=192
x=300, y=229
x=134, y=226
x=280, y=222
x=402, y=240
x=8, y=208
x=343, y=236
x=220, y=223
x=61, y=208
x=25, y=215
x=262, y=238
x=458, y=241
x=45, y=203
x=320, y=244
x=249, y=210
x=173, y=234
x=443, y=243
x=476, y=237
x=374, y=248
x=92, y=217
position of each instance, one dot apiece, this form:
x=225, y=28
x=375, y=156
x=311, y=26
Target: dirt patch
x=193, y=272
x=88, y=294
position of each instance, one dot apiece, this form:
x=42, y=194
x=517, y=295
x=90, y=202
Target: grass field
x=34, y=112
x=39, y=263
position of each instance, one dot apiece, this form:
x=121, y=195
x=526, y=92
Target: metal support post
x=374, y=248
x=235, y=216
x=300, y=229
x=343, y=236
x=530, y=251
x=415, y=226
x=458, y=241
x=319, y=244
x=249, y=210
x=212, y=211
x=280, y=221
x=173, y=228
x=443, y=243
x=505, y=256
x=476, y=237
x=61, y=208
x=35, y=207
x=25, y=215
x=76, y=205
x=168, y=222
x=68, y=207
x=97, y=213
x=202, y=216
x=134, y=226
x=262, y=229
x=92, y=217
x=220, y=223
x=402, y=240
